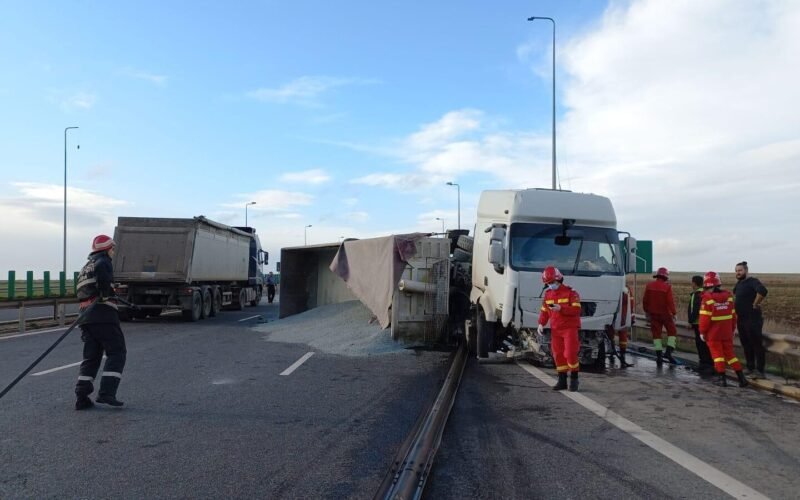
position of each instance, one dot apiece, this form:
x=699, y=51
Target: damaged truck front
x=520, y=232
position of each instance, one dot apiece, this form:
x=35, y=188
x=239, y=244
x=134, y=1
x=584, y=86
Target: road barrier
x=30, y=288
x=59, y=312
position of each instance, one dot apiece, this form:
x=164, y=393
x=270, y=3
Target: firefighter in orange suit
x=562, y=308
x=717, y=324
x=659, y=306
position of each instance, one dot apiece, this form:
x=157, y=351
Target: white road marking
x=251, y=317
x=689, y=462
x=297, y=364
x=37, y=332
x=51, y=370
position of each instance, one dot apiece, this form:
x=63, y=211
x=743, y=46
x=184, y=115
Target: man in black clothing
x=100, y=328
x=749, y=293
x=703, y=353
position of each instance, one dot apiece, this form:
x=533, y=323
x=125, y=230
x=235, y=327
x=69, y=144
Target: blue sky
x=352, y=116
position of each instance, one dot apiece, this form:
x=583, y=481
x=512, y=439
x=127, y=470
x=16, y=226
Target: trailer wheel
x=242, y=300
x=465, y=242
x=216, y=302
x=485, y=334
x=193, y=314
x=461, y=255
x=206, y=310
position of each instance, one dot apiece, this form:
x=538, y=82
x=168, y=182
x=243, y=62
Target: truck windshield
x=592, y=251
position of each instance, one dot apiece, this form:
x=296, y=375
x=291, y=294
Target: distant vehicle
x=196, y=265
x=520, y=232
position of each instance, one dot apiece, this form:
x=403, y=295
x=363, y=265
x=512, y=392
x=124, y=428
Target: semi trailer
x=195, y=265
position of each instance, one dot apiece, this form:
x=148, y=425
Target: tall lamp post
x=305, y=234
x=245, y=211
x=459, y=201
x=554, y=92
x=64, y=264
x=439, y=218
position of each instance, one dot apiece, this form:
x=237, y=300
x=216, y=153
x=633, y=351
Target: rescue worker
x=561, y=307
x=270, y=287
x=717, y=324
x=693, y=315
x=659, y=307
x=749, y=293
x=100, y=328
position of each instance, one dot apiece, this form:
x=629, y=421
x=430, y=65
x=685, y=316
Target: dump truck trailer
x=195, y=265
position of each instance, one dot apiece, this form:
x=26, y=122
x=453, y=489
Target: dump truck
x=195, y=265
x=520, y=232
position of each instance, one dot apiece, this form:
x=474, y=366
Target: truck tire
x=465, y=243
x=206, y=311
x=193, y=314
x=485, y=334
x=460, y=255
x=257, y=299
x=599, y=364
x=216, y=302
x=242, y=299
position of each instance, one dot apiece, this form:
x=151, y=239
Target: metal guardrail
x=780, y=344
x=58, y=304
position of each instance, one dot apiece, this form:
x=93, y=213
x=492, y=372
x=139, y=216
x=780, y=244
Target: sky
x=352, y=116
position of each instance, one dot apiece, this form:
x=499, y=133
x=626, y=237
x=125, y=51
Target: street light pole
x=459, y=201
x=554, y=92
x=64, y=263
x=441, y=219
x=245, y=211
x=305, y=234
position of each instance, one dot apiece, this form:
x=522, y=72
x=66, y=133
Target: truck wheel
x=206, y=311
x=460, y=255
x=216, y=302
x=600, y=363
x=465, y=242
x=193, y=314
x=258, y=298
x=485, y=334
x=242, y=300
x=472, y=336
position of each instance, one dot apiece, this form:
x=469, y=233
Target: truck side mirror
x=266, y=257
x=630, y=254
x=278, y=267
x=497, y=255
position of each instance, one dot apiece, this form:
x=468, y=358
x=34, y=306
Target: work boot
x=722, y=380
x=573, y=382
x=83, y=403
x=742, y=380
x=669, y=357
x=109, y=400
x=622, y=358
x=562, y=382
x=659, y=358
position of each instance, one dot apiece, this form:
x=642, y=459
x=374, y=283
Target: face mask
x=554, y=286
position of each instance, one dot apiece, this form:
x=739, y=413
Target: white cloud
x=350, y=202
x=272, y=201
x=305, y=89
x=155, y=79
x=314, y=176
x=78, y=101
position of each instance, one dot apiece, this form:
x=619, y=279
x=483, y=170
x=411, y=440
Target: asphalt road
x=209, y=415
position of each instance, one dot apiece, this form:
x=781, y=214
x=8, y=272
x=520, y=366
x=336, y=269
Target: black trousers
x=270, y=293
x=99, y=338
x=752, y=338
x=703, y=353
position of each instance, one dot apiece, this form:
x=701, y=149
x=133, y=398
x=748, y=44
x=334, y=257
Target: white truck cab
x=520, y=232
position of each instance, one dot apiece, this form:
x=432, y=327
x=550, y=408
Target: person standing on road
x=659, y=307
x=750, y=293
x=270, y=287
x=717, y=324
x=100, y=328
x=693, y=314
x=562, y=308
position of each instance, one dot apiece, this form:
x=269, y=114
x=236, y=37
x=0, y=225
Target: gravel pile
x=342, y=328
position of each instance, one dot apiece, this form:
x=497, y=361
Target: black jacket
x=745, y=292
x=693, y=312
x=95, y=285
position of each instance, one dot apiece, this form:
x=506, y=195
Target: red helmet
x=102, y=243
x=551, y=274
x=711, y=279
x=662, y=272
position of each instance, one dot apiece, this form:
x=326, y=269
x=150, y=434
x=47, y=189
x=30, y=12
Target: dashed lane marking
x=250, y=317
x=297, y=364
x=689, y=462
x=37, y=332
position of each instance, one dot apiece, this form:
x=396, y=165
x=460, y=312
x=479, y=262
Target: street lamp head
x=308, y=225
x=251, y=203
x=449, y=183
